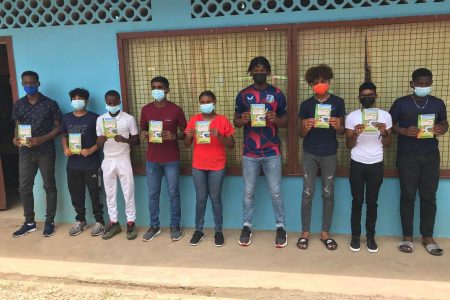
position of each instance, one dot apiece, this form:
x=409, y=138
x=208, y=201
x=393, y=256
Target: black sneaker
x=26, y=228
x=372, y=246
x=246, y=236
x=49, y=229
x=196, y=238
x=151, y=233
x=355, y=244
x=219, y=239
x=280, y=238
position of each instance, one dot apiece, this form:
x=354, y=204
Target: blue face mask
x=207, y=108
x=422, y=91
x=113, y=109
x=30, y=89
x=78, y=104
x=158, y=95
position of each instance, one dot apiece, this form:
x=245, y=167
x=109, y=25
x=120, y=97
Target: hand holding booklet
x=202, y=132
x=110, y=127
x=425, y=123
x=24, y=133
x=75, y=143
x=258, y=115
x=370, y=120
x=155, y=132
x=322, y=116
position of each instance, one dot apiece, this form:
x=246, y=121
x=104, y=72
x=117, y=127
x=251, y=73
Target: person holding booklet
x=79, y=141
x=321, y=117
x=211, y=134
x=367, y=131
x=38, y=123
x=117, y=132
x=160, y=122
x=261, y=109
x=418, y=118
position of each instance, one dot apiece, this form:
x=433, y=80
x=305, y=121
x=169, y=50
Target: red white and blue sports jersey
x=261, y=141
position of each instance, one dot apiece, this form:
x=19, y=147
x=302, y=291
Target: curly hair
x=321, y=71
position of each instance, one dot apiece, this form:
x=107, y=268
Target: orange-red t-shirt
x=211, y=156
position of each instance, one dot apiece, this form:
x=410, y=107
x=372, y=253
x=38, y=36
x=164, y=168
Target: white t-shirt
x=126, y=126
x=368, y=148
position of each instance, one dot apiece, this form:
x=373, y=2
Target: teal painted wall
x=86, y=56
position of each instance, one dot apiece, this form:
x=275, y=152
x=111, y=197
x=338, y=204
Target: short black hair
x=80, y=92
x=368, y=85
x=113, y=93
x=30, y=73
x=208, y=94
x=321, y=71
x=161, y=79
x=421, y=72
x=259, y=60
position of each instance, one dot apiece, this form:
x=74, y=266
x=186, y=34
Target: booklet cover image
x=425, y=124
x=370, y=120
x=110, y=127
x=24, y=133
x=202, y=133
x=155, y=131
x=75, y=143
x=322, y=115
x=258, y=115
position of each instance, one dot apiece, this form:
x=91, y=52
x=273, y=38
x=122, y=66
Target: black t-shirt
x=406, y=112
x=321, y=141
x=86, y=126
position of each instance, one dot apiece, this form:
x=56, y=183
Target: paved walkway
x=160, y=262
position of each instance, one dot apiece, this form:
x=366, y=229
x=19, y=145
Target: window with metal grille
x=195, y=60
x=388, y=54
x=216, y=61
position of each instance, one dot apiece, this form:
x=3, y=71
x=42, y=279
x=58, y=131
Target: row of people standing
x=261, y=150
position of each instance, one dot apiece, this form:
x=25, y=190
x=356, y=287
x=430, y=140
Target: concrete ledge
x=162, y=263
x=198, y=277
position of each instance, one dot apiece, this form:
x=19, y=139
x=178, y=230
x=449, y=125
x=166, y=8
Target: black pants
x=370, y=177
x=78, y=181
x=29, y=164
x=418, y=172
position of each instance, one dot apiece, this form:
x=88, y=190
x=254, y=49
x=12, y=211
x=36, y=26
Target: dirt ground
x=14, y=286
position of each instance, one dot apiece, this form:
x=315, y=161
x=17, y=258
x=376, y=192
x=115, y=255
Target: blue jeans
x=251, y=168
x=206, y=183
x=171, y=171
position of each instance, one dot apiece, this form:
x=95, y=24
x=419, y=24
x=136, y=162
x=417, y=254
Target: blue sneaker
x=49, y=229
x=26, y=228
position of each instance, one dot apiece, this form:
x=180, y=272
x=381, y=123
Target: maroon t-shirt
x=173, y=118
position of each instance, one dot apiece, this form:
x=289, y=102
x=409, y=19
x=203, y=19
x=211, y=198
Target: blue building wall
x=86, y=55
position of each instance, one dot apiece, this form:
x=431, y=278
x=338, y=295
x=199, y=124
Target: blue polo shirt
x=406, y=112
x=321, y=141
x=41, y=116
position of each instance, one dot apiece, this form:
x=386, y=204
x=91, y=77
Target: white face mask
x=78, y=104
x=422, y=91
x=158, y=95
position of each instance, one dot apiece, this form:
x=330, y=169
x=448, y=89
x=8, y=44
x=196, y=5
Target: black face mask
x=367, y=102
x=260, y=78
